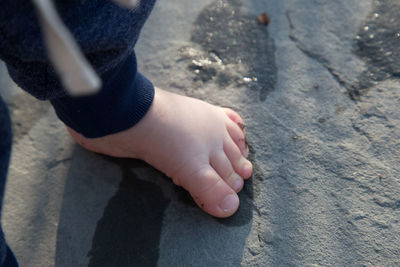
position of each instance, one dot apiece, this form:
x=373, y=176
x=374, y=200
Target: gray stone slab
x=323, y=124
x=6, y=85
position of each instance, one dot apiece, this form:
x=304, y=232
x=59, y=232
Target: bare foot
x=200, y=146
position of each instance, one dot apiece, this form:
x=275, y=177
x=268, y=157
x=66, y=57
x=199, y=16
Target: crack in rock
x=314, y=56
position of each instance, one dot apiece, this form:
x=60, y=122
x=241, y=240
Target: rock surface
x=319, y=90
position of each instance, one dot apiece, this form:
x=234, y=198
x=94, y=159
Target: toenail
x=229, y=203
x=246, y=152
x=237, y=185
x=241, y=125
x=247, y=168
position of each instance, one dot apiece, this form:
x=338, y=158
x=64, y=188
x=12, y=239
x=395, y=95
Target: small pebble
x=263, y=19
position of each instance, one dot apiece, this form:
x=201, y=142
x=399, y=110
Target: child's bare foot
x=200, y=146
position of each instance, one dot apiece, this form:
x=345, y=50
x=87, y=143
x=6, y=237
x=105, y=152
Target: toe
x=238, y=136
x=221, y=164
x=234, y=116
x=212, y=193
x=240, y=164
x=235, y=181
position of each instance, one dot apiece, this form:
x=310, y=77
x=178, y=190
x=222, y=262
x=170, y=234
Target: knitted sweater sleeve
x=106, y=34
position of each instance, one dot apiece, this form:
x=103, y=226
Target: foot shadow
x=109, y=216
x=113, y=212
x=129, y=232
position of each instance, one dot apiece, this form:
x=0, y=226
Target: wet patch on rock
x=235, y=49
x=378, y=44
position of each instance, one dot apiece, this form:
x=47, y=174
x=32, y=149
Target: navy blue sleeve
x=124, y=99
x=107, y=35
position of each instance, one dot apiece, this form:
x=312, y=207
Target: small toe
x=238, y=136
x=240, y=164
x=235, y=181
x=234, y=116
x=221, y=164
x=212, y=194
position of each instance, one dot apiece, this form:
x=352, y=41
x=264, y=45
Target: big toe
x=212, y=193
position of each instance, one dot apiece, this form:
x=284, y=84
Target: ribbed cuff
x=123, y=101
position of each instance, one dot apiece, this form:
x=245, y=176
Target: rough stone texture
x=320, y=96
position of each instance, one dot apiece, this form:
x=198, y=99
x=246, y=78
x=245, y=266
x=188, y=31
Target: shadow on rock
x=113, y=212
x=129, y=232
x=109, y=216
